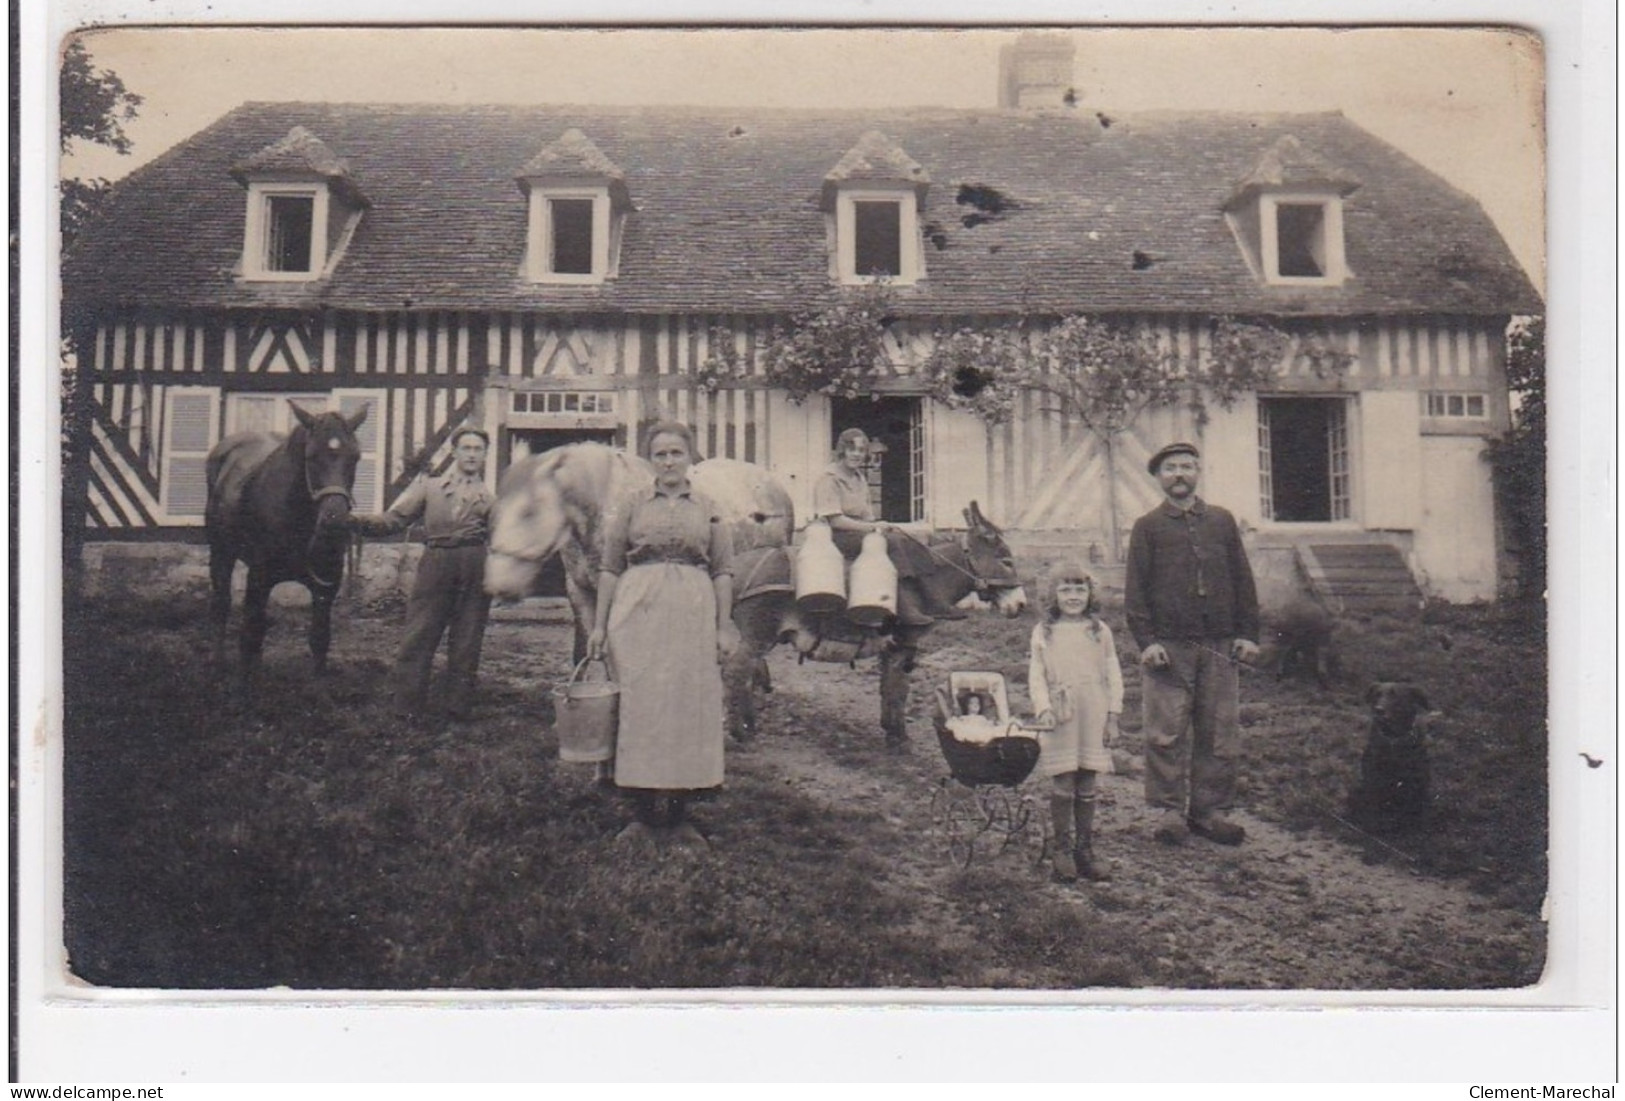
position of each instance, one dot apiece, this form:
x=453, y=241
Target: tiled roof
x=877, y=157
x=727, y=217
x=573, y=154
x=299, y=153
x=1287, y=164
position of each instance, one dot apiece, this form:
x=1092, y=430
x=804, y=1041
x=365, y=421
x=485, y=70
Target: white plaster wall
x=798, y=446
x=1229, y=447
x=1455, y=542
x=1388, y=463
x=957, y=471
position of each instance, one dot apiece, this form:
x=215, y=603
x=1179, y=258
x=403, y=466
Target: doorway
x=896, y=431
x=1303, y=459
x=521, y=443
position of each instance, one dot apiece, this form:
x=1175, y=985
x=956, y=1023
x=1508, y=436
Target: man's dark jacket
x=1188, y=577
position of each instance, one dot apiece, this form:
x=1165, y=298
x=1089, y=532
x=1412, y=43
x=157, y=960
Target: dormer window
x=303, y=207
x=1287, y=215
x=287, y=231
x=874, y=194
x=569, y=235
x=877, y=237
x=578, y=201
x=1302, y=238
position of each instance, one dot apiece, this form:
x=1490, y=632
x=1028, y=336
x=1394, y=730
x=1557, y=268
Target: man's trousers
x=1192, y=728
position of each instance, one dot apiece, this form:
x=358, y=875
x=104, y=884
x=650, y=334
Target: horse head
x=544, y=504
x=328, y=454
x=992, y=563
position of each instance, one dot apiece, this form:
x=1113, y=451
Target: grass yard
x=300, y=837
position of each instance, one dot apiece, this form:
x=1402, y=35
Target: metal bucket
x=585, y=716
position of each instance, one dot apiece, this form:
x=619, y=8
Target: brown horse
x=554, y=503
x=279, y=504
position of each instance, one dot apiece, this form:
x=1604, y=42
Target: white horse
x=554, y=504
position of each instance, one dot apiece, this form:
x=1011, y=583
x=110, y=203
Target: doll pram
x=979, y=804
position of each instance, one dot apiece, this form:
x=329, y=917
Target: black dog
x=1393, y=792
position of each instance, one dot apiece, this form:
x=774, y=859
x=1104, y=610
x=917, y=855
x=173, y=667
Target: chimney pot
x=1036, y=71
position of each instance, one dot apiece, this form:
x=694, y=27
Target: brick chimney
x=1036, y=71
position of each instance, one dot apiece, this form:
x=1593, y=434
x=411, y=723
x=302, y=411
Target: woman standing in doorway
x=665, y=601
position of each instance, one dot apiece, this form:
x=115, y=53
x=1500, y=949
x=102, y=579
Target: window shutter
x=369, y=471
x=190, y=433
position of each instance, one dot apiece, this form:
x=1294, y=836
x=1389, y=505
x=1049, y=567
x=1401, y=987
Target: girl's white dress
x=1074, y=673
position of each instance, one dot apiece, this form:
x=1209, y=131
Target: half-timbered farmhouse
x=557, y=273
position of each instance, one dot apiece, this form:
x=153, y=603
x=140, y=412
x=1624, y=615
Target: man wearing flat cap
x=449, y=594
x=1193, y=610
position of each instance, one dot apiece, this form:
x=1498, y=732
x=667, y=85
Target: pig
x=1303, y=633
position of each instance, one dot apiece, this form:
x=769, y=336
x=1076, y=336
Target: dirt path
x=224, y=853
x=1285, y=910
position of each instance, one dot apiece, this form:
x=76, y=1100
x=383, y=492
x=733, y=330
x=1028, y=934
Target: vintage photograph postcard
x=992, y=515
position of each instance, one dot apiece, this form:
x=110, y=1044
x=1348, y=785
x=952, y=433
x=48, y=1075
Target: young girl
x=1075, y=680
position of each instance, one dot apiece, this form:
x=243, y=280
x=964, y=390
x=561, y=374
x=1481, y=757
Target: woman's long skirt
x=663, y=648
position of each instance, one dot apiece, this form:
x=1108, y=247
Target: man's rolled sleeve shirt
x=1188, y=577
x=455, y=509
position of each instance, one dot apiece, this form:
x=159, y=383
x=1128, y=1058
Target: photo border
x=136, y=1035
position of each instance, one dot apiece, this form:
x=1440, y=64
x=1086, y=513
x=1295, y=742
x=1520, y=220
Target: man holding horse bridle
x=841, y=497
x=449, y=595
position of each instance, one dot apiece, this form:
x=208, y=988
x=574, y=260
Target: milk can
x=820, y=571
x=874, y=584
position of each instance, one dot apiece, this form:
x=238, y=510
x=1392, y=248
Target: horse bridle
x=981, y=585
x=317, y=496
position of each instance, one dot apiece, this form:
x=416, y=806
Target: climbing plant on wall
x=838, y=350
x=1103, y=374
x=1518, y=457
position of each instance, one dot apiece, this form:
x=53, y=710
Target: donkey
x=554, y=504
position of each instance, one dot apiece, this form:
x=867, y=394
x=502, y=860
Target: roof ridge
x=1088, y=114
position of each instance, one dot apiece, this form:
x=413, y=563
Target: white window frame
x=1466, y=396
x=1331, y=225
x=846, y=235
x=540, y=253
x=195, y=455
x=256, y=236
x=1346, y=427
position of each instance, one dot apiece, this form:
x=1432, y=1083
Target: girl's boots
x=1065, y=869
x=1083, y=853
